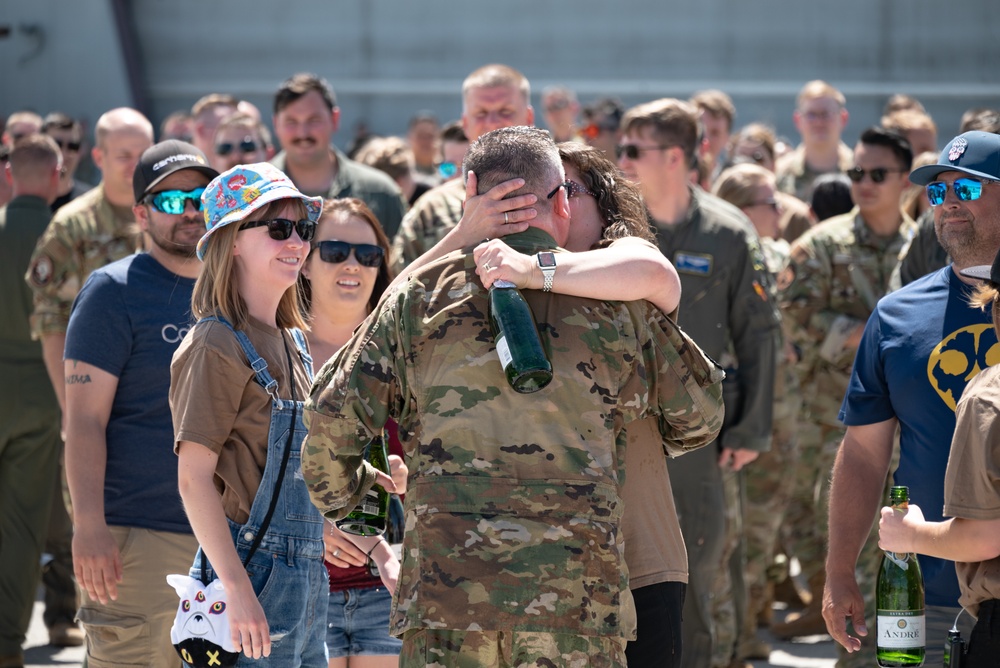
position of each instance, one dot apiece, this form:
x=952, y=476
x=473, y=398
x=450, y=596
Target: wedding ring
x=487, y=267
x=336, y=553
x=505, y=218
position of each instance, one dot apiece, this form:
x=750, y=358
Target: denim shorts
x=357, y=623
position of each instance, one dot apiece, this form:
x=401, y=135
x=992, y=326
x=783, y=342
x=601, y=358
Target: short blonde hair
x=672, y=122
x=717, y=104
x=817, y=89
x=216, y=291
x=495, y=76
x=738, y=184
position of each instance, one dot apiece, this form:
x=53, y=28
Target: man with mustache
x=306, y=116
x=125, y=325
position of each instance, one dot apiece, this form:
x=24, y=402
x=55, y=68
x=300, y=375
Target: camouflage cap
x=238, y=192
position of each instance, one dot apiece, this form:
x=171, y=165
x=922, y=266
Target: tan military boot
x=810, y=621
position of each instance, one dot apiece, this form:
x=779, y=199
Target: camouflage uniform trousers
x=729, y=590
x=805, y=529
x=769, y=491
x=447, y=648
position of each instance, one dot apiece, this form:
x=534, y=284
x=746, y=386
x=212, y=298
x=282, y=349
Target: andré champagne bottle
x=899, y=598
x=370, y=516
x=516, y=336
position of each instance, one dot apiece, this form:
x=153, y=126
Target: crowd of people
x=750, y=342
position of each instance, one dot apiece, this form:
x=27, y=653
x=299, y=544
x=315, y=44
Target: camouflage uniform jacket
x=84, y=235
x=512, y=503
x=921, y=255
x=726, y=307
x=838, y=271
x=432, y=217
x=795, y=177
x=370, y=185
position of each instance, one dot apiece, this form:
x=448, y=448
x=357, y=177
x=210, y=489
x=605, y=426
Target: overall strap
x=303, y=348
x=257, y=363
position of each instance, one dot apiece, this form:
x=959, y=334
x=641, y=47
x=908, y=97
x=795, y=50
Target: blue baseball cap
x=238, y=192
x=974, y=153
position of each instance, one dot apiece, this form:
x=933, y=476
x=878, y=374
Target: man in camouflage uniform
x=820, y=116
x=494, y=96
x=513, y=554
x=838, y=271
x=93, y=230
x=724, y=307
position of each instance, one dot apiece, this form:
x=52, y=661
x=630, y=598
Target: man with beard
x=920, y=348
x=125, y=325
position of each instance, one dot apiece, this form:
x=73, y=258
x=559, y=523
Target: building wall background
x=388, y=59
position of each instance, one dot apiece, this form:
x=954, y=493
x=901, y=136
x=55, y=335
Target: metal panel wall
x=390, y=58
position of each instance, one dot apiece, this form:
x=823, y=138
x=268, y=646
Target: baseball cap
x=974, y=153
x=161, y=160
x=984, y=272
x=238, y=192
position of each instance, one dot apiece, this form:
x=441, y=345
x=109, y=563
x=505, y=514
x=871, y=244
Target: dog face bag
x=200, y=633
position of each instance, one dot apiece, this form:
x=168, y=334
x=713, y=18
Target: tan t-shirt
x=972, y=481
x=654, y=546
x=216, y=402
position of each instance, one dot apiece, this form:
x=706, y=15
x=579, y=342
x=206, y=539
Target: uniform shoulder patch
x=40, y=272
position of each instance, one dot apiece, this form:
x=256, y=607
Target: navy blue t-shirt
x=128, y=320
x=921, y=346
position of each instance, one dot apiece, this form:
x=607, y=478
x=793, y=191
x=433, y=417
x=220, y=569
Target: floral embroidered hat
x=238, y=192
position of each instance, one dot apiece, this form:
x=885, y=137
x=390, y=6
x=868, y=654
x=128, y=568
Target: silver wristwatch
x=547, y=263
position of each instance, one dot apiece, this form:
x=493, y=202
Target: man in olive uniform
x=838, y=271
x=515, y=555
x=93, y=230
x=29, y=414
x=494, y=96
x=724, y=307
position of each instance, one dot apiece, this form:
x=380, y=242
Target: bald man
x=93, y=230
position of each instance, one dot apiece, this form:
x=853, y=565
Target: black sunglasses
x=248, y=145
x=632, y=152
x=335, y=252
x=878, y=174
x=68, y=145
x=280, y=229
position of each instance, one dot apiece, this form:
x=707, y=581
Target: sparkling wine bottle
x=899, y=596
x=370, y=516
x=517, y=341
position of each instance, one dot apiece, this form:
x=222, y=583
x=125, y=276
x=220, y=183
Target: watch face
x=546, y=260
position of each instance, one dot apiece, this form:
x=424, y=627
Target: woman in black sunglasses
x=343, y=279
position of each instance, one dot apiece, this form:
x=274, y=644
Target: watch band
x=548, y=267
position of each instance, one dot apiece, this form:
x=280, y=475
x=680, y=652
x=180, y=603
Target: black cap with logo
x=161, y=160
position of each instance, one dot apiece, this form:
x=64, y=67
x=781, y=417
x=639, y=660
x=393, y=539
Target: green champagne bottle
x=899, y=597
x=370, y=516
x=517, y=341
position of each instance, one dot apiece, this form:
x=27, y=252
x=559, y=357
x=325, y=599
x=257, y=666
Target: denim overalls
x=286, y=571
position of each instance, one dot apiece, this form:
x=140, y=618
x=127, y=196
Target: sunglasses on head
x=573, y=189
x=966, y=190
x=877, y=174
x=335, y=252
x=248, y=145
x=280, y=229
x=68, y=145
x=174, y=201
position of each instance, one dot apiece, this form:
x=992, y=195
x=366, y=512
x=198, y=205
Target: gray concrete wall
x=390, y=58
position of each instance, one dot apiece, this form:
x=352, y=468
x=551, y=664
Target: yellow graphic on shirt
x=959, y=357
